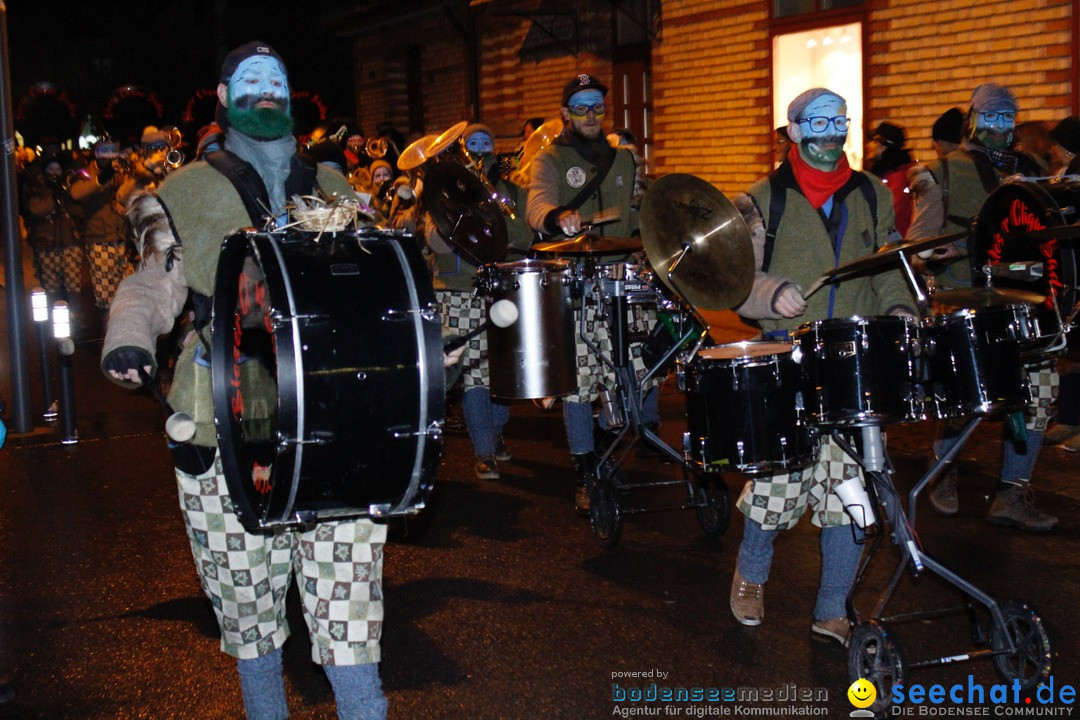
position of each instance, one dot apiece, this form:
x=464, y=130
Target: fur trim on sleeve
x=153, y=228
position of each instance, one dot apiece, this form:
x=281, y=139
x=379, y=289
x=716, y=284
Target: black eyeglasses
x=583, y=110
x=993, y=116
x=820, y=124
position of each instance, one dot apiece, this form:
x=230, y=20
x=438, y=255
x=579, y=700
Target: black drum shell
x=860, y=371
x=357, y=356
x=973, y=360
x=741, y=410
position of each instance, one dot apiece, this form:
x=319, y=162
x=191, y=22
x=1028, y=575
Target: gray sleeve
x=543, y=192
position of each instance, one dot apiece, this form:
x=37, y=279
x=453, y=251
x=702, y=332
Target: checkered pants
x=776, y=502
x=590, y=369
x=462, y=313
x=338, y=566
x=59, y=268
x=1044, y=382
x=108, y=266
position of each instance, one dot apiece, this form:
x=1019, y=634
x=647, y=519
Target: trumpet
x=376, y=147
x=173, y=159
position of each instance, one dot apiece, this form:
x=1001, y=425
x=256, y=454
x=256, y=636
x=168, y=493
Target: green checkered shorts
x=1043, y=382
x=338, y=566
x=590, y=369
x=776, y=502
x=462, y=313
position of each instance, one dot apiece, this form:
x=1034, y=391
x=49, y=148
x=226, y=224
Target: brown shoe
x=747, y=600
x=943, y=497
x=836, y=628
x=1060, y=433
x=1015, y=507
x=487, y=468
x=581, y=501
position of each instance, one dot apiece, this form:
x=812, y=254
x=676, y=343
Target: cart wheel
x=1031, y=663
x=605, y=515
x=874, y=653
x=713, y=507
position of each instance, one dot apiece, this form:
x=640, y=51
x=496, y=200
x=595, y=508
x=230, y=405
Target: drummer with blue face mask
x=949, y=193
x=812, y=214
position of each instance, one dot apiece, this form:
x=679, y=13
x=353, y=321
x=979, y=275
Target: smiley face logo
x=862, y=693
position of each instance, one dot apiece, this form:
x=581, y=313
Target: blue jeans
x=839, y=562
x=357, y=689
x=1018, y=458
x=578, y=419
x=484, y=419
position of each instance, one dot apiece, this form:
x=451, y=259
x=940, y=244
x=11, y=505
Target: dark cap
x=889, y=135
x=242, y=53
x=584, y=81
x=949, y=126
x=1067, y=134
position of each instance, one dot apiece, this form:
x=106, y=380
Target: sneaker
x=1060, y=433
x=1015, y=507
x=581, y=501
x=943, y=496
x=502, y=454
x=487, y=468
x=839, y=629
x=747, y=600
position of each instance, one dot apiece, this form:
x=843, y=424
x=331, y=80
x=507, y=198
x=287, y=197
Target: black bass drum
x=327, y=373
x=1006, y=218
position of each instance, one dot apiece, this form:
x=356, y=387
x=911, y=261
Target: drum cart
x=706, y=494
x=1015, y=638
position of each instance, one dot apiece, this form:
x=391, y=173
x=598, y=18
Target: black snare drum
x=860, y=371
x=1003, y=234
x=973, y=362
x=741, y=409
x=338, y=335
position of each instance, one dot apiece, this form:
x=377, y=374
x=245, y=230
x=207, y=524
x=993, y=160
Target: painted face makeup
x=479, y=143
x=994, y=128
x=585, y=110
x=259, y=104
x=823, y=127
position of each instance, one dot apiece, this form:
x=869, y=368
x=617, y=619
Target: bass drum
x=1008, y=214
x=328, y=381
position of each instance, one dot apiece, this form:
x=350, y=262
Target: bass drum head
x=1013, y=210
x=328, y=385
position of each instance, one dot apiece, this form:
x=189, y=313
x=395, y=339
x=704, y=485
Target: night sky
x=88, y=48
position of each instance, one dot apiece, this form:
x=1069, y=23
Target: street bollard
x=66, y=348
x=39, y=301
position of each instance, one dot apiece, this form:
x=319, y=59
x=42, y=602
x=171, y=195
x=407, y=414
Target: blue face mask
x=994, y=128
x=822, y=141
x=479, y=143
x=259, y=78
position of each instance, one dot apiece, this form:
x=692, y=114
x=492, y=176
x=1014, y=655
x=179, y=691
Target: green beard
x=261, y=123
x=820, y=158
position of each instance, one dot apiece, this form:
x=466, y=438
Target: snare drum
x=741, y=409
x=343, y=343
x=1007, y=215
x=973, y=360
x=534, y=357
x=860, y=371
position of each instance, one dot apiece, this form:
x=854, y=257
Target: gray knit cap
x=795, y=109
x=994, y=97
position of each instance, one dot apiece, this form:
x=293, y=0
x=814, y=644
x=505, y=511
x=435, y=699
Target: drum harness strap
x=249, y=186
x=782, y=179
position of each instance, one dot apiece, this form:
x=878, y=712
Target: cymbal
x=589, y=244
x=446, y=139
x=415, y=154
x=889, y=254
x=982, y=297
x=464, y=213
x=683, y=211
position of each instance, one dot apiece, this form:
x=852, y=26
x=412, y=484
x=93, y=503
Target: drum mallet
x=503, y=313
x=180, y=427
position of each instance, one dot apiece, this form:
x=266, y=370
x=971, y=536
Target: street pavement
x=499, y=603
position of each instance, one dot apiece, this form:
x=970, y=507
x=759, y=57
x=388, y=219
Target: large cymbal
x=416, y=154
x=983, y=297
x=589, y=244
x=680, y=211
x=889, y=254
x=464, y=212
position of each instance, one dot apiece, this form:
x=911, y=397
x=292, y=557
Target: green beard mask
x=261, y=123
x=815, y=152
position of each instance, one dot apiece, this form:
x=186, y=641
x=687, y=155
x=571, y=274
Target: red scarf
x=818, y=185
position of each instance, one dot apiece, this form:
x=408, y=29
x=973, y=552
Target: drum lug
x=433, y=432
x=378, y=510
x=429, y=313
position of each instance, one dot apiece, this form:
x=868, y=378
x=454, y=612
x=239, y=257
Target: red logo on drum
x=260, y=476
x=1022, y=218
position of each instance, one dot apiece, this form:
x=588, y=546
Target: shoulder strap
x=944, y=192
x=603, y=167
x=777, y=202
x=869, y=195
x=247, y=182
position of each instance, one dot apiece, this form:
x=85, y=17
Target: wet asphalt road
x=499, y=603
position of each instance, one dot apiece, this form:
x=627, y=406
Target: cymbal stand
x=916, y=287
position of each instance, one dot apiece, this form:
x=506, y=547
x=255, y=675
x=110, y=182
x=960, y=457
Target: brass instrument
x=540, y=139
x=376, y=147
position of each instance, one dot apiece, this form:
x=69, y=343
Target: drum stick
x=815, y=287
x=503, y=313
